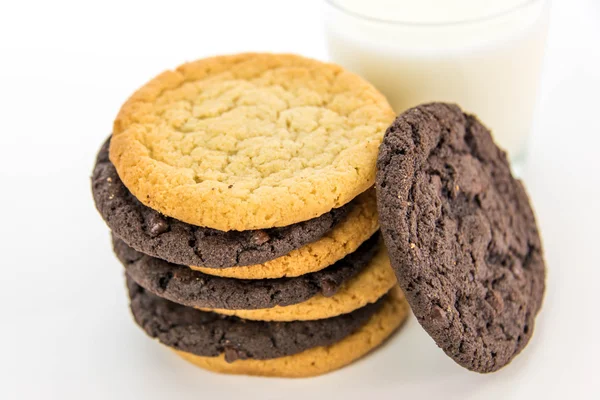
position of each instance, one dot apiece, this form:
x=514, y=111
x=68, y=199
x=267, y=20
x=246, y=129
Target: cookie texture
x=323, y=359
x=250, y=141
x=191, y=288
x=461, y=235
x=360, y=224
x=149, y=232
x=209, y=334
x=369, y=285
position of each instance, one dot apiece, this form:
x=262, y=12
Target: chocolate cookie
x=209, y=334
x=192, y=288
x=322, y=359
x=461, y=235
x=150, y=232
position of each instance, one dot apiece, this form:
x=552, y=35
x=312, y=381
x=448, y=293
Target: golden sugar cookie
x=250, y=141
x=318, y=360
x=360, y=224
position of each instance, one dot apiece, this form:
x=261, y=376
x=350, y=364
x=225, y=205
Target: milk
x=485, y=55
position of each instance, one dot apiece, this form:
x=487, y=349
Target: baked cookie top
x=461, y=234
x=250, y=141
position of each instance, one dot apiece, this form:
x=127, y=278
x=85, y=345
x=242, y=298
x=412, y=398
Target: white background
x=65, y=330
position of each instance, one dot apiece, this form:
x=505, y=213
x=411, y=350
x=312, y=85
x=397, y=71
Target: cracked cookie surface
x=209, y=334
x=149, y=232
x=461, y=234
x=191, y=288
x=250, y=141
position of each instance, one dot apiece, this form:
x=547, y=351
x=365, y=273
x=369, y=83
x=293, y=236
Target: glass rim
x=338, y=7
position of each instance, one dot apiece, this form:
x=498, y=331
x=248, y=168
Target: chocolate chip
x=201, y=281
x=329, y=287
x=232, y=354
x=157, y=224
x=260, y=237
x=515, y=296
x=437, y=313
x=494, y=298
x=517, y=270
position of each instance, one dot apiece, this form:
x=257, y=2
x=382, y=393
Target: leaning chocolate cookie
x=461, y=235
x=148, y=231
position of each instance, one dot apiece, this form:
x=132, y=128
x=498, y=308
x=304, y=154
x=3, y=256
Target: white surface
x=65, y=329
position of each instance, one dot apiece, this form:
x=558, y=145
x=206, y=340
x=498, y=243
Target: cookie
x=318, y=360
x=360, y=224
x=370, y=284
x=210, y=335
x=250, y=141
x=461, y=235
x=191, y=288
x=151, y=233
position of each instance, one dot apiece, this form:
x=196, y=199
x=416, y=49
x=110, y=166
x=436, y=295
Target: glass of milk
x=485, y=55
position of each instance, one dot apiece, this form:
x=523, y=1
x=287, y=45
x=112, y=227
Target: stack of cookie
x=239, y=193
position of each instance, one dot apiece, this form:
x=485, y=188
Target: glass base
x=518, y=164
